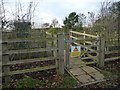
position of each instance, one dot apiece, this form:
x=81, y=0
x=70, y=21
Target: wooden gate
x=92, y=49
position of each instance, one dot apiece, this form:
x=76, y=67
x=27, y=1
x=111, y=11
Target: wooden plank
x=30, y=50
x=112, y=58
x=91, y=62
x=88, y=69
x=83, y=40
x=97, y=76
x=86, y=45
x=93, y=57
x=29, y=60
x=110, y=52
x=89, y=35
x=92, y=50
x=29, y=70
x=88, y=42
x=29, y=32
x=92, y=82
x=28, y=40
x=84, y=79
x=74, y=37
x=71, y=74
x=77, y=71
x=83, y=58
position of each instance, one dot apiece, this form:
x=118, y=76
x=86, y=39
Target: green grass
x=68, y=82
x=29, y=82
x=64, y=81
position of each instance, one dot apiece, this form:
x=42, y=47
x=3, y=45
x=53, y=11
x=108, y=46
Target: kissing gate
x=49, y=51
x=91, y=49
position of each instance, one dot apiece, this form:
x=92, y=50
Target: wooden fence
x=41, y=50
x=36, y=52
x=96, y=49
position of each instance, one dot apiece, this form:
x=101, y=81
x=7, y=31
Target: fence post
x=101, y=58
x=84, y=41
x=5, y=59
x=61, y=54
x=67, y=52
x=0, y=59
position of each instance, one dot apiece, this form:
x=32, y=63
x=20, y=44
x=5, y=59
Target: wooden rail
x=83, y=40
x=110, y=52
x=93, y=57
x=112, y=59
x=30, y=50
x=28, y=70
x=54, y=50
x=29, y=40
x=29, y=60
x=89, y=35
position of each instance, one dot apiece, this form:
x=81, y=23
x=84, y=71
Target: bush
x=54, y=30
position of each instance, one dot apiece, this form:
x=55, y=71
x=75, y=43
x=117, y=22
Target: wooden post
x=5, y=59
x=101, y=52
x=67, y=52
x=52, y=44
x=55, y=53
x=0, y=59
x=61, y=54
x=84, y=42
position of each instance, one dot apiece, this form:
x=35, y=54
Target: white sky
x=47, y=10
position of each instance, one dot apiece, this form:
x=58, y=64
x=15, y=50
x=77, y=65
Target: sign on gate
x=75, y=51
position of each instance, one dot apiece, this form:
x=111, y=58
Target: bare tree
x=107, y=20
x=91, y=17
x=54, y=23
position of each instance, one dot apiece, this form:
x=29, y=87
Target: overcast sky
x=46, y=10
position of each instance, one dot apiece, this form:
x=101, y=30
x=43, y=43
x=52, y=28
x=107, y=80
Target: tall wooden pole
x=118, y=7
x=101, y=58
x=61, y=54
x=67, y=52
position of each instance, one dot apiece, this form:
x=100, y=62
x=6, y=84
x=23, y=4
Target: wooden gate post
x=67, y=52
x=84, y=37
x=61, y=54
x=0, y=59
x=101, y=58
x=5, y=59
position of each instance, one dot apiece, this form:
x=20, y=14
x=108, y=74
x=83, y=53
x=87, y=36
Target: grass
x=64, y=81
x=68, y=82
